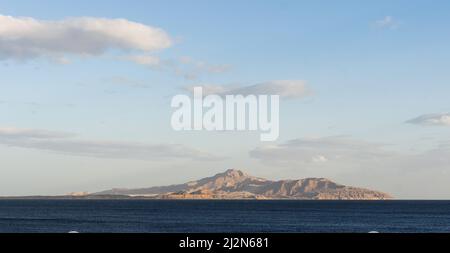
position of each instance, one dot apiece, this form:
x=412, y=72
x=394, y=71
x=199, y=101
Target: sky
x=86, y=89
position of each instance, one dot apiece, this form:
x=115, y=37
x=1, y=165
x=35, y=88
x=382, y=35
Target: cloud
x=283, y=88
x=23, y=133
x=186, y=67
x=126, y=81
x=190, y=68
x=437, y=119
x=146, y=60
x=62, y=142
x=23, y=38
x=387, y=22
x=319, y=150
x=343, y=153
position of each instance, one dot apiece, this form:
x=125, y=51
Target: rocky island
x=235, y=184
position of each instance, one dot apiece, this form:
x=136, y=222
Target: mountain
x=235, y=184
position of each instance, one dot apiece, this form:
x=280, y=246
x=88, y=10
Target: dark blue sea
x=130, y=216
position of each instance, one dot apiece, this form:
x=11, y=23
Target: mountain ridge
x=235, y=184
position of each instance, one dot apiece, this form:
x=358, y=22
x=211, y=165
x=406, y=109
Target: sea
x=211, y=216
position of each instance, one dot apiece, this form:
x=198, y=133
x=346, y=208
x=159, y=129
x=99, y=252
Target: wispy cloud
x=388, y=22
x=64, y=143
x=319, y=150
x=146, y=60
x=24, y=38
x=191, y=69
x=283, y=88
x=13, y=133
x=436, y=119
x=185, y=67
x=126, y=81
x=343, y=153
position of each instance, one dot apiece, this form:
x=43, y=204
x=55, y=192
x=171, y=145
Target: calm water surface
x=223, y=216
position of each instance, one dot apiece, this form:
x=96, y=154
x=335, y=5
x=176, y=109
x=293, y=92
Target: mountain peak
x=234, y=173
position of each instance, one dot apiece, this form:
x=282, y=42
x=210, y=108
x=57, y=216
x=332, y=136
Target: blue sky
x=370, y=66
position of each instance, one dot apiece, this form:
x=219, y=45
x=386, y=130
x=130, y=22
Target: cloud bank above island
x=64, y=143
x=320, y=150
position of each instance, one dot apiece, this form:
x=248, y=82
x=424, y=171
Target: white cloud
x=283, y=88
x=23, y=38
x=319, y=159
x=62, y=142
x=436, y=119
x=387, y=22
